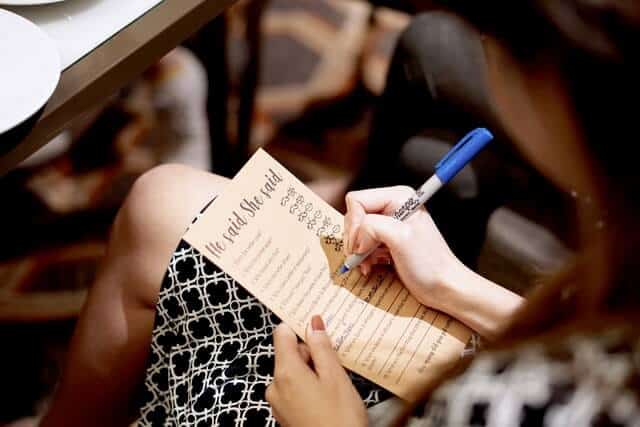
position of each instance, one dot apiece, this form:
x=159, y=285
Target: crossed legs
x=108, y=353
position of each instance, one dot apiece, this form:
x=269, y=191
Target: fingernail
x=317, y=324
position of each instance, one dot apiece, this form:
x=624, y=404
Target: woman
x=572, y=354
x=570, y=357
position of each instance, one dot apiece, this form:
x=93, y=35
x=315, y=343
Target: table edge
x=115, y=63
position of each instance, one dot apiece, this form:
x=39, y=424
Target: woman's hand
x=310, y=387
x=421, y=257
x=423, y=260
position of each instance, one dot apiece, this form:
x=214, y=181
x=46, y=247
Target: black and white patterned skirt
x=212, y=352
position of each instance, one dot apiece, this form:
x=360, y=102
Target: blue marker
x=456, y=159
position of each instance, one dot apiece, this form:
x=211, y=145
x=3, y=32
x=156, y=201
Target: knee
x=445, y=52
x=147, y=210
x=156, y=213
x=430, y=32
x=162, y=203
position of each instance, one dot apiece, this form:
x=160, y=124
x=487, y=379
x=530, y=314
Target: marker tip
x=343, y=269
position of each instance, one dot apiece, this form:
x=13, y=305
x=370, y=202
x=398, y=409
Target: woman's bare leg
x=111, y=342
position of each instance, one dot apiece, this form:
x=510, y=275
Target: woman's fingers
x=325, y=359
x=354, y=216
x=360, y=203
x=381, y=256
x=320, y=396
x=380, y=200
x=304, y=352
x=377, y=229
x=288, y=357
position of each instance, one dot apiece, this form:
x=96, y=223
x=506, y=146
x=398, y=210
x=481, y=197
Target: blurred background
x=302, y=79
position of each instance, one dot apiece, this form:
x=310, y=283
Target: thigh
x=111, y=340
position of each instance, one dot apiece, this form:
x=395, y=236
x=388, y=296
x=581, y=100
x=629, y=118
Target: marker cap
x=462, y=153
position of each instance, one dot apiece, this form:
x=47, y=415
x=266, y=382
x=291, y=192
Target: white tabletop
x=79, y=26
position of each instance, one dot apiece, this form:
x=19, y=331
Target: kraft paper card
x=283, y=243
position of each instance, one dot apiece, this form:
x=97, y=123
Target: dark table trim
x=112, y=65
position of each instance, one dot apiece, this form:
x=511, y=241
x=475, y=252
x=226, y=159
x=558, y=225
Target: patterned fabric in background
x=584, y=380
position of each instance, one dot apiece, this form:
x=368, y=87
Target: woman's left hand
x=310, y=387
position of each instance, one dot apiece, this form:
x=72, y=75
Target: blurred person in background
x=561, y=78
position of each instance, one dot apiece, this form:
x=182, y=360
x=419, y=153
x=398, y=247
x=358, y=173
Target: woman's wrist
x=481, y=304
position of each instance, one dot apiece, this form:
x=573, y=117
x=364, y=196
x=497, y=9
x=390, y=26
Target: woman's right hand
x=420, y=254
x=423, y=260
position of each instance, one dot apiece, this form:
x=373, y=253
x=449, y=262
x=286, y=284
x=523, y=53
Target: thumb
x=325, y=359
x=377, y=229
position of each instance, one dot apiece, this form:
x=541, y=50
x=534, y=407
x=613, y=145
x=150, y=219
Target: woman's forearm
x=481, y=304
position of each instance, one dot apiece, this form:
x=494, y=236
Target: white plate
x=29, y=69
x=27, y=2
